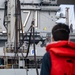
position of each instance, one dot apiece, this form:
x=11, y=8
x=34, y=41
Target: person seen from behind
x=59, y=58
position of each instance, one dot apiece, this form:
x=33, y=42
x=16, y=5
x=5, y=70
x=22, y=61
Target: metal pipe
x=36, y=19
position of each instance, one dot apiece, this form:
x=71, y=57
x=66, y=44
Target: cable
x=32, y=29
x=34, y=50
x=28, y=45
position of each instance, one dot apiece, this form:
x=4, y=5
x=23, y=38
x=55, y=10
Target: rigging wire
x=34, y=49
x=23, y=36
x=32, y=27
x=28, y=45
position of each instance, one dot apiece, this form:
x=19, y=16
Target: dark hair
x=60, y=32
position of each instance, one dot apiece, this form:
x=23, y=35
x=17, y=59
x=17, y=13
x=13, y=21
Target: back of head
x=60, y=32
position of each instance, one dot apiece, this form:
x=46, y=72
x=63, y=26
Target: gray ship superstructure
x=24, y=32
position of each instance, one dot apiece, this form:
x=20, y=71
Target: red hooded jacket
x=62, y=55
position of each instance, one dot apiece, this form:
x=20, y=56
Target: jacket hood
x=61, y=44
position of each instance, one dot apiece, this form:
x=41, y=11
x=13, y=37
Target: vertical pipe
x=67, y=15
x=36, y=19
